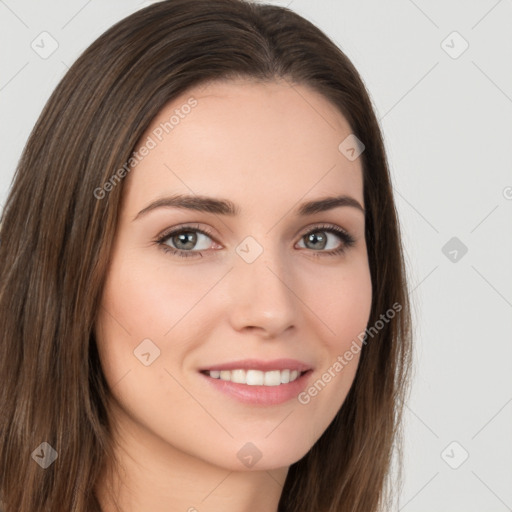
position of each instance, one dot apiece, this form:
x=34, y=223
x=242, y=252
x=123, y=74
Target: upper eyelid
x=167, y=233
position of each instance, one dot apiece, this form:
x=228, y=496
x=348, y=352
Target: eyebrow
x=227, y=207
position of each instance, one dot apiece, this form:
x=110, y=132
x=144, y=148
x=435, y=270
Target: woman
x=203, y=300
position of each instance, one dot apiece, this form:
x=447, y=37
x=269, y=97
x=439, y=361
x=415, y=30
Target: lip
x=264, y=366
x=260, y=395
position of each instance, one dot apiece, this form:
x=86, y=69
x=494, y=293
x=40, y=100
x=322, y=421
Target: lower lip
x=261, y=395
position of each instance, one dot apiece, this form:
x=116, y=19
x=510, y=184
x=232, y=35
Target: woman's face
x=263, y=284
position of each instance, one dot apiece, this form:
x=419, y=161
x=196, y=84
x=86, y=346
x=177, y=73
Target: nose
x=262, y=295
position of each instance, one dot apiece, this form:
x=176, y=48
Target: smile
x=258, y=387
x=256, y=377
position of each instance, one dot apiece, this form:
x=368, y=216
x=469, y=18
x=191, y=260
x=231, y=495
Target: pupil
x=313, y=237
x=182, y=238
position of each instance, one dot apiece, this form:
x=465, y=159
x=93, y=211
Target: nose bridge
x=261, y=290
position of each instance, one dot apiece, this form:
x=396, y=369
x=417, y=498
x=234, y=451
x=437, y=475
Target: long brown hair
x=56, y=239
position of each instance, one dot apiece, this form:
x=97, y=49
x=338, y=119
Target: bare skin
x=267, y=148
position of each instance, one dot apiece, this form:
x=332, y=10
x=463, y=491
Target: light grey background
x=448, y=132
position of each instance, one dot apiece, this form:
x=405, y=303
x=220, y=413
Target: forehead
x=252, y=140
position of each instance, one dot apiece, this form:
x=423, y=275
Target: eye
x=182, y=240
x=318, y=241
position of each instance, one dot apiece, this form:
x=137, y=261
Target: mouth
x=257, y=387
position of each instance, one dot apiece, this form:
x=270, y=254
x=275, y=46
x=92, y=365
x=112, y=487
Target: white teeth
x=272, y=378
x=237, y=376
x=256, y=377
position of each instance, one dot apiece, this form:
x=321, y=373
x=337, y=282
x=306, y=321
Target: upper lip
x=256, y=364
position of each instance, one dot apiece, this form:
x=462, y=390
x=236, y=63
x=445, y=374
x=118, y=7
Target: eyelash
x=347, y=240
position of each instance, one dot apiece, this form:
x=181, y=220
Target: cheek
x=142, y=301
x=148, y=300
x=344, y=310
x=345, y=303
